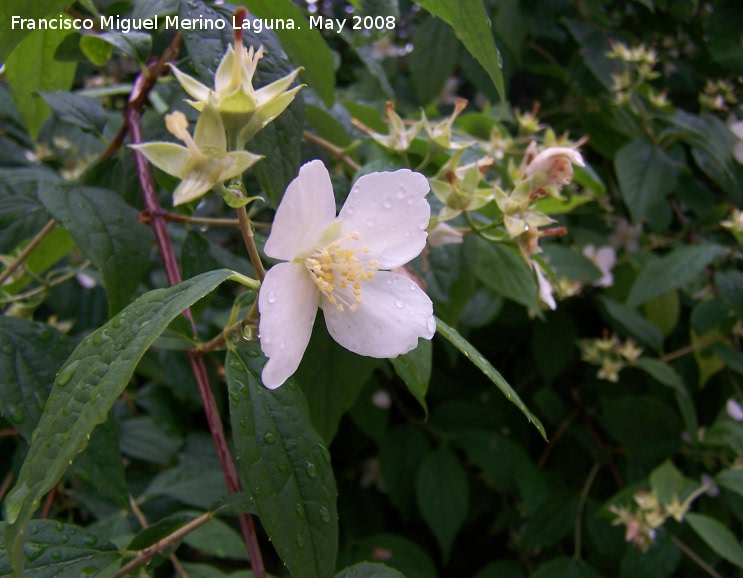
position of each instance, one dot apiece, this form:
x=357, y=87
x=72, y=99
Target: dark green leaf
x=443, y=496
x=31, y=355
x=732, y=480
x=564, y=567
x=331, y=378
x=502, y=269
x=414, y=368
x=285, y=465
x=32, y=69
x=107, y=231
x=717, y=536
x=141, y=438
x=400, y=553
x=85, y=389
x=217, y=538
x=304, y=45
x=434, y=58
x=659, y=561
x=56, y=550
x=12, y=35
x=83, y=111
x=102, y=465
x=672, y=271
x=472, y=26
x=732, y=358
x=667, y=481
x=135, y=45
x=632, y=323
x=646, y=175
x=95, y=49
x=400, y=454
x=550, y=522
x=369, y=570
x=660, y=371
x=453, y=336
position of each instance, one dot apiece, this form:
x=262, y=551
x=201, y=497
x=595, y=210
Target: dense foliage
x=579, y=410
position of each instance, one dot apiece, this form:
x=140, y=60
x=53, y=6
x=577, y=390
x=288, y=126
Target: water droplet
x=500, y=58
x=33, y=530
x=239, y=385
x=413, y=287
x=56, y=555
x=65, y=374
x=399, y=304
x=431, y=324
x=400, y=192
x=300, y=541
x=324, y=514
x=311, y=469
x=116, y=321
x=90, y=540
x=235, y=363
x=350, y=209
x=300, y=511
x=387, y=203
x=272, y=297
x=370, y=222
x=257, y=491
x=268, y=438
x=282, y=344
x=282, y=467
x=32, y=550
x=100, y=337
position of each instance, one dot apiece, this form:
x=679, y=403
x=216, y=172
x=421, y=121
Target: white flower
x=341, y=264
x=734, y=410
x=444, y=234
x=604, y=258
x=554, y=166
x=737, y=128
x=545, y=288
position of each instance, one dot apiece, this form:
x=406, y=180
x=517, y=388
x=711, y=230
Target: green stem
x=581, y=504
x=247, y=230
x=27, y=250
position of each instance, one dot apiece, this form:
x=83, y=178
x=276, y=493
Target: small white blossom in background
x=735, y=223
x=444, y=234
x=381, y=399
x=734, y=410
x=341, y=264
x=626, y=235
x=737, y=128
x=545, y=288
x=604, y=258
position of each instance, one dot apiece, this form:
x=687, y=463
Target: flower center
x=339, y=273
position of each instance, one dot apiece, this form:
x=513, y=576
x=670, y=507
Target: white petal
x=543, y=161
x=191, y=85
x=288, y=304
x=394, y=313
x=545, y=289
x=390, y=213
x=307, y=208
x=444, y=234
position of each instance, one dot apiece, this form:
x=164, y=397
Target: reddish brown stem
x=132, y=117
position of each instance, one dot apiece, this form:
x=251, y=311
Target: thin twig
x=23, y=255
x=145, y=217
x=247, y=231
x=691, y=348
x=581, y=504
x=48, y=502
x=694, y=556
x=5, y=486
x=336, y=151
x=146, y=554
x=143, y=522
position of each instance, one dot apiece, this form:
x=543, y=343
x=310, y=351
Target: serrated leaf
x=12, y=35
x=32, y=69
x=85, y=389
x=502, y=270
x=83, y=111
x=56, y=550
x=434, y=58
x=285, y=465
x=672, y=271
x=453, y=336
x=331, y=378
x=304, y=45
x=107, y=231
x=414, y=368
x=646, y=174
x=443, y=496
x=472, y=26
x=369, y=570
x=30, y=356
x=717, y=536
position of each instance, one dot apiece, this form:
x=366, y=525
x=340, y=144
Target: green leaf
x=12, y=35
x=32, y=69
x=85, y=389
x=660, y=371
x=101, y=464
x=61, y=550
x=400, y=454
x=97, y=50
x=217, y=538
x=564, y=567
x=143, y=439
x=443, y=496
x=659, y=561
x=550, y=522
x=414, y=368
x=718, y=537
x=453, y=336
x=83, y=111
x=732, y=358
x=632, y=323
x=663, y=311
x=434, y=58
x=107, y=231
x=369, y=570
x=30, y=356
x=732, y=480
x=672, y=271
x=285, y=465
x=502, y=269
x=667, y=482
x=331, y=378
x=402, y=554
x=135, y=45
x=304, y=45
x=646, y=174
x=472, y=26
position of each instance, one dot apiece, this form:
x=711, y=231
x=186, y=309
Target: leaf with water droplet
x=293, y=469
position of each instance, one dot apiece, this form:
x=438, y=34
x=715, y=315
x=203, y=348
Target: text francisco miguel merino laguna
x=128, y=24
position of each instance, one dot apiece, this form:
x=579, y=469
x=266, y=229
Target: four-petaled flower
x=204, y=162
x=342, y=265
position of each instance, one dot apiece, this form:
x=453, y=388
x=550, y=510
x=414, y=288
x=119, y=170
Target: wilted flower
x=204, y=162
x=342, y=265
x=244, y=109
x=554, y=166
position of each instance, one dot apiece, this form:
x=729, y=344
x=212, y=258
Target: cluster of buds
x=638, y=64
x=231, y=113
x=718, y=95
x=648, y=514
x=610, y=354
